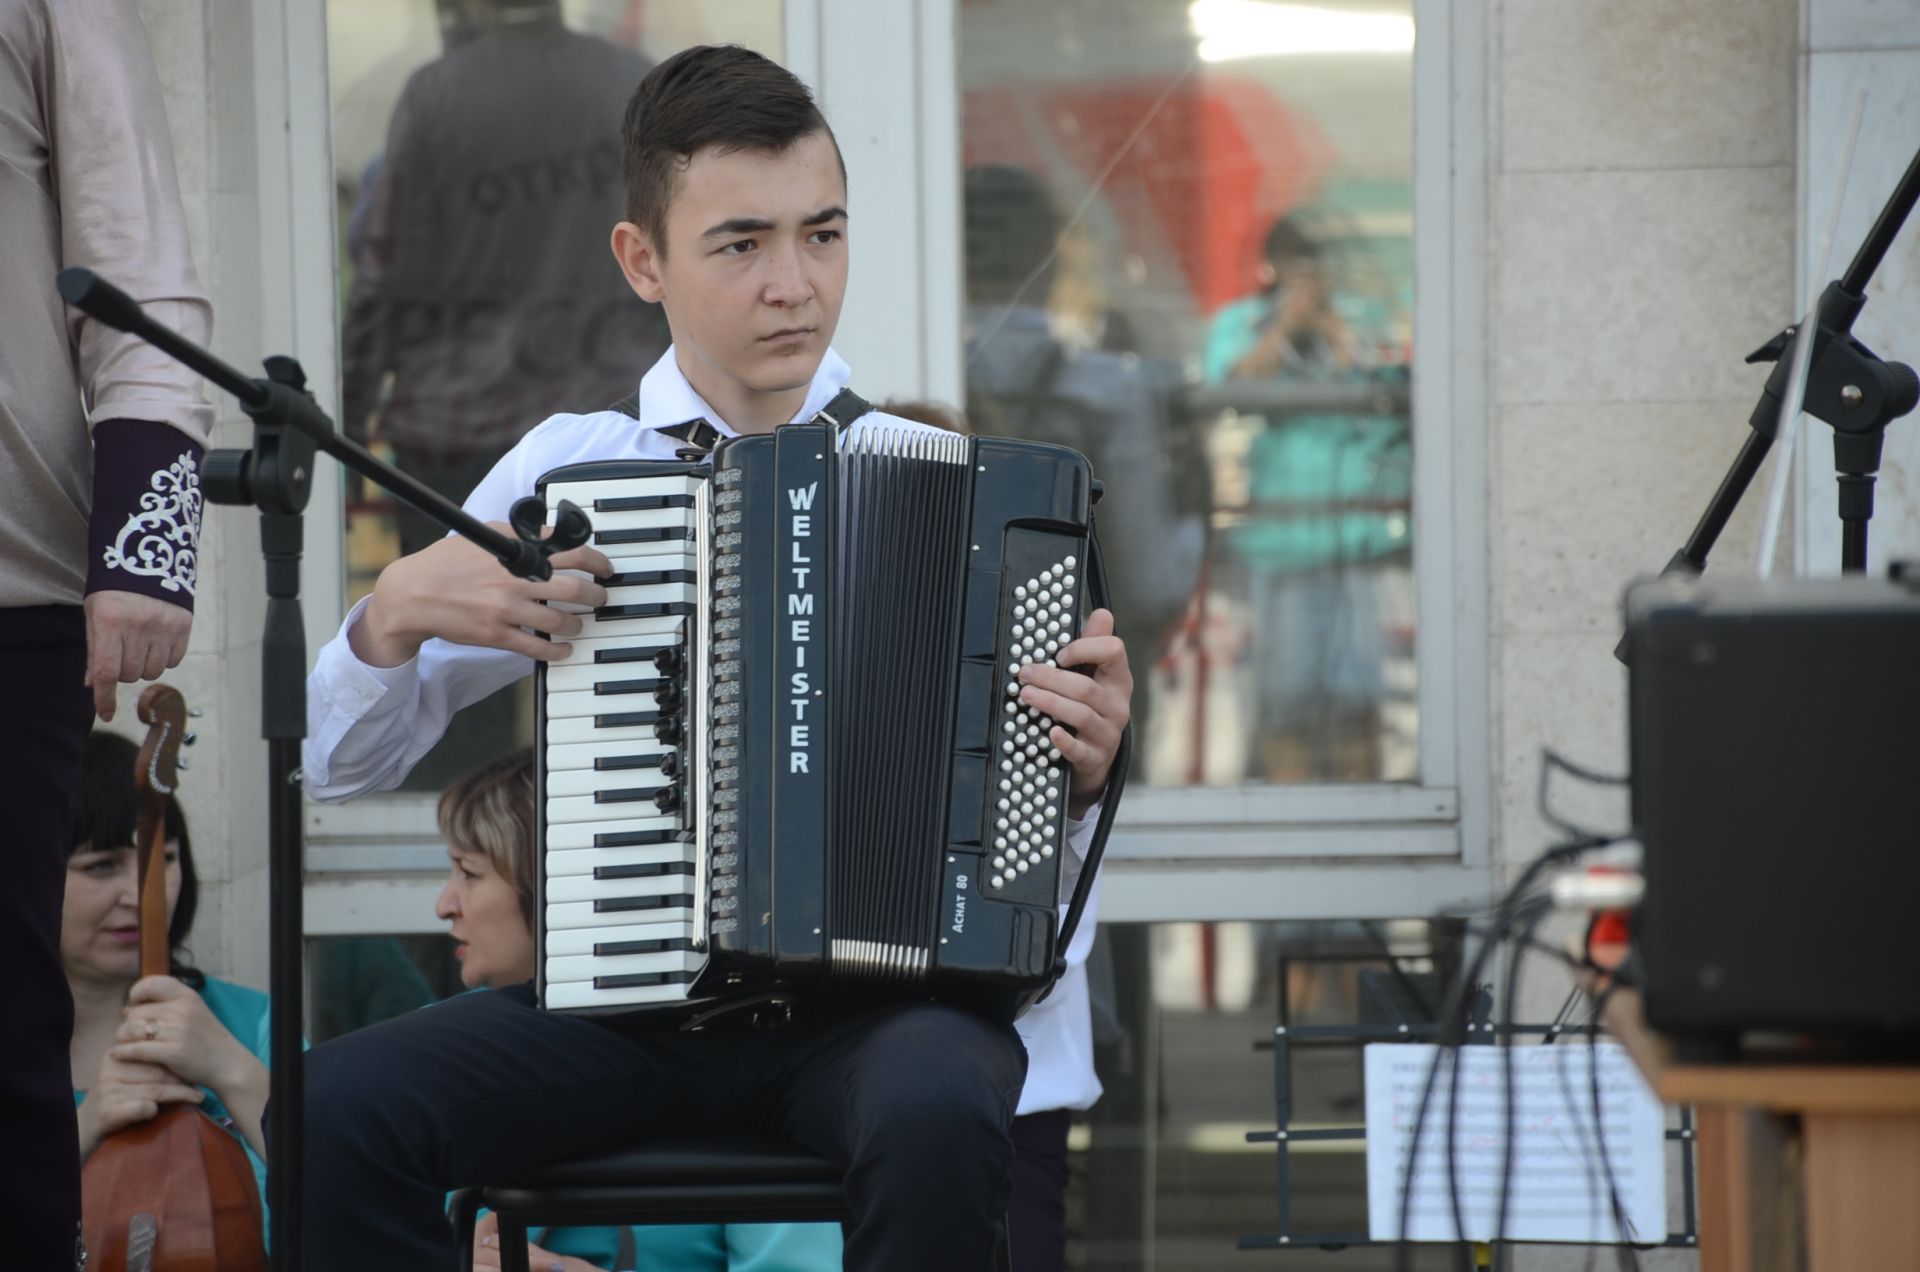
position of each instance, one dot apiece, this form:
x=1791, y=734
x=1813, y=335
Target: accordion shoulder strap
x=846, y=407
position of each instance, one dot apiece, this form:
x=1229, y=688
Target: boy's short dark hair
x=709, y=95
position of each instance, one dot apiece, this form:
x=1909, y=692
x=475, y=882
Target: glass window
x=1188, y=242
x=1160, y=1171
x=356, y=981
x=477, y=164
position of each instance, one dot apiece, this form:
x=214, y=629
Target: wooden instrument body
x=176, y=1193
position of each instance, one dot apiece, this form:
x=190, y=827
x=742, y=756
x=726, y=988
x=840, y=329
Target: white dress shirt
x=368, y=726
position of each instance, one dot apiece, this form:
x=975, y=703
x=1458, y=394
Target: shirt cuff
x=143, y=534
x=350, y=680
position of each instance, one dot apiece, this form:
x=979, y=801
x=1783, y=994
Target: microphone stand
x=275, y=475
x=1848, y=386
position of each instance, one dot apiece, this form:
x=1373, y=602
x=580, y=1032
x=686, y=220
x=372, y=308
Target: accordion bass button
x=668, y=696
x=667, y=798
x=670, y=661
x=667, y=729
x=670, y=764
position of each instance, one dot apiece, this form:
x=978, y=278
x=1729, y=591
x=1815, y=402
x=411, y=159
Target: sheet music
x=1559, y=1189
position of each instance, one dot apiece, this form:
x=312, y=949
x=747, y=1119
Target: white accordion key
x=587, y=888
x=595, y=914
x=584, y=861
x=569, y=995
x=576, y=941
x=604, y=701
x=588, y=967
x=591, y=808
x=618, y=726
x=605, y=649
x=668, y=625
x=619, y=756
x=606, y=787
x=615, y=834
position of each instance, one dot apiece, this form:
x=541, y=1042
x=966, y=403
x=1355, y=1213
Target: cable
x=1504, y=1041
x=1505, y=917
x=1625, y=1254
x=1550, y=760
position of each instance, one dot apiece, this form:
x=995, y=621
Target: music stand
x=1479, y=1032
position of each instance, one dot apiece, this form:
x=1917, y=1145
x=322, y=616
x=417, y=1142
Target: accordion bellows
x=788, y=756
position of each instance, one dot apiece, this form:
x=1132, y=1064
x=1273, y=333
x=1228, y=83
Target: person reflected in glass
x=1025, y=380
x=481, y=300
x=487, y=820
x=1328, y=506
x=142, y=1043
x=481, y=297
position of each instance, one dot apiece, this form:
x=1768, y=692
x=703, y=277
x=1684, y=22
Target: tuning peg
x=182, y=765
x=195, y=712
x=189, y=739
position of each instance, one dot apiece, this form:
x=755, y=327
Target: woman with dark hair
x=141, y=1043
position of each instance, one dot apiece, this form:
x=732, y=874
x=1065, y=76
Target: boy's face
x=754, y=272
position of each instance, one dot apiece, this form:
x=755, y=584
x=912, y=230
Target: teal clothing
x=244, y=1013
x=702, y=1247
x=1315, y=463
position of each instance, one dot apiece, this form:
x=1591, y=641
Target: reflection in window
x=1188, y=254
x=478, y=170
x=356, y=981
x=1161, y=1173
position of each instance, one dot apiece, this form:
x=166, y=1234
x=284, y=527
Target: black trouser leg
x=48, y=714
x=917, y=1101
x=469, y=1091
x=1037, y=1216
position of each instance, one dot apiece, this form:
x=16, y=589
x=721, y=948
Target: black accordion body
x=788, y=756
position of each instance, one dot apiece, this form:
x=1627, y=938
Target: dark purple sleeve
x=144, y=535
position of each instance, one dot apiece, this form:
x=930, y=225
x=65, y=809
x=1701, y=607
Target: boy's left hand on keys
x=1089, y=696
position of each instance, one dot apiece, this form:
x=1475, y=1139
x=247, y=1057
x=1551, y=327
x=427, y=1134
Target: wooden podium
x=1803, y=1167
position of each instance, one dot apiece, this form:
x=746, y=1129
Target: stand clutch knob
x=227, y=475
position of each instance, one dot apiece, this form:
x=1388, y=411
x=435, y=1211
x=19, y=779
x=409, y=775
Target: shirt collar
x=666, y=397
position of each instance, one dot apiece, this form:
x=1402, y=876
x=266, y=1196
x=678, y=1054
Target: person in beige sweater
x=101, y=439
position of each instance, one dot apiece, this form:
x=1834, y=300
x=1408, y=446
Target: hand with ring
x=168, y=1025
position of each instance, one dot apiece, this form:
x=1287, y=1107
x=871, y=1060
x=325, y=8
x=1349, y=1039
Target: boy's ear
x=639, y=261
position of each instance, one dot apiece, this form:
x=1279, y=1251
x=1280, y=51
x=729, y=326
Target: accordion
x=788, y=756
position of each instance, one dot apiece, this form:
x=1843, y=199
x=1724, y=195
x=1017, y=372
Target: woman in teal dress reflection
x=1328, y=505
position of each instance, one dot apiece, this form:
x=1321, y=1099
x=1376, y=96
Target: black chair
x=726, y=1179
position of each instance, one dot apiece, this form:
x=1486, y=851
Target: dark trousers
x=1037, y=1216
x=48, y=714
x=915, y=1100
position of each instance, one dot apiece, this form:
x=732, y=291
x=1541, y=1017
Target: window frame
x=1278, y=852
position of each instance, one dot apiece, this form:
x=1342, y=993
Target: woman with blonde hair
x=487, y=819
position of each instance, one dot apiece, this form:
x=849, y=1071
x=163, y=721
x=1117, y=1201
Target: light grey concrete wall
x=1640, y=243
x=203, y=50
x=1871, y=46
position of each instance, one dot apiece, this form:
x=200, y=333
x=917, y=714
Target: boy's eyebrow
x=760, y=225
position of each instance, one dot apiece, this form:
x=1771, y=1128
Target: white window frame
x=885, y=73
